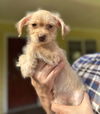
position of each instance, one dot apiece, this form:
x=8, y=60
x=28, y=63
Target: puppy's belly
x=60, y=89
x=65, y=92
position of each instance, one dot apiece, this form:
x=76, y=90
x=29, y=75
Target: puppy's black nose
x=42, y=38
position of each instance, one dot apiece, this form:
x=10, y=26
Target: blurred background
x=17, y=96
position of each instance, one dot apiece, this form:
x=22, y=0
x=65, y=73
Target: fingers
x=45, y=73
x=47, y=69
x=49, y=81
x=40, y=66
x=54, y=73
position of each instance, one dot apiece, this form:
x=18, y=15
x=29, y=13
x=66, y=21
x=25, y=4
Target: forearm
x=46, y=104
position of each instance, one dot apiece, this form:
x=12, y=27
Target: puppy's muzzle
x=42, y=38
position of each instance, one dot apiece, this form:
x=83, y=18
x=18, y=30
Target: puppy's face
x=42, y=26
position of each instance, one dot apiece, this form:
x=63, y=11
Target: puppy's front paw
x=28, y=73
x=27, y=70
x=31, y=68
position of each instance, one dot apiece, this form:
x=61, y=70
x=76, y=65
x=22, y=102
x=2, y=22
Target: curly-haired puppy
x=42, y=27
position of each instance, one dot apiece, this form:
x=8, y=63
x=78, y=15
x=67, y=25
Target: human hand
x=84, y=108
x=43, y=81
x=46, y=74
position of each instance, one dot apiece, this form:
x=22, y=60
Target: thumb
x=59, y=108
x=55, y=108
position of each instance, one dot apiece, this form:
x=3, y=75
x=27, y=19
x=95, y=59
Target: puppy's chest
x=45, y=51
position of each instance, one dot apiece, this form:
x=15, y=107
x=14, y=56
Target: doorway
x=20, y=91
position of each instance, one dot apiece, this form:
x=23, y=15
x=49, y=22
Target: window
x=79, y=48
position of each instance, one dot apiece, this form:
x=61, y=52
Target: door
x=20, y=90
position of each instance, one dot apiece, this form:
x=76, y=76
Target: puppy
x=42, y=27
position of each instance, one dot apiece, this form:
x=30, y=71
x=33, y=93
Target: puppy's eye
x=49, y=26
x=34, y=25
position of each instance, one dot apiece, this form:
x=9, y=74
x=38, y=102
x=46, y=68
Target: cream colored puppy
x=42, y=27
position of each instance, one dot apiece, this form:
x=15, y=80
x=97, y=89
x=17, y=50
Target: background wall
x=83, y=16
x=77, y=13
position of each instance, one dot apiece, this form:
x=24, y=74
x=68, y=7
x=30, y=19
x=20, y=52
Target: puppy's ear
x=65, y=29
x=22, y=23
